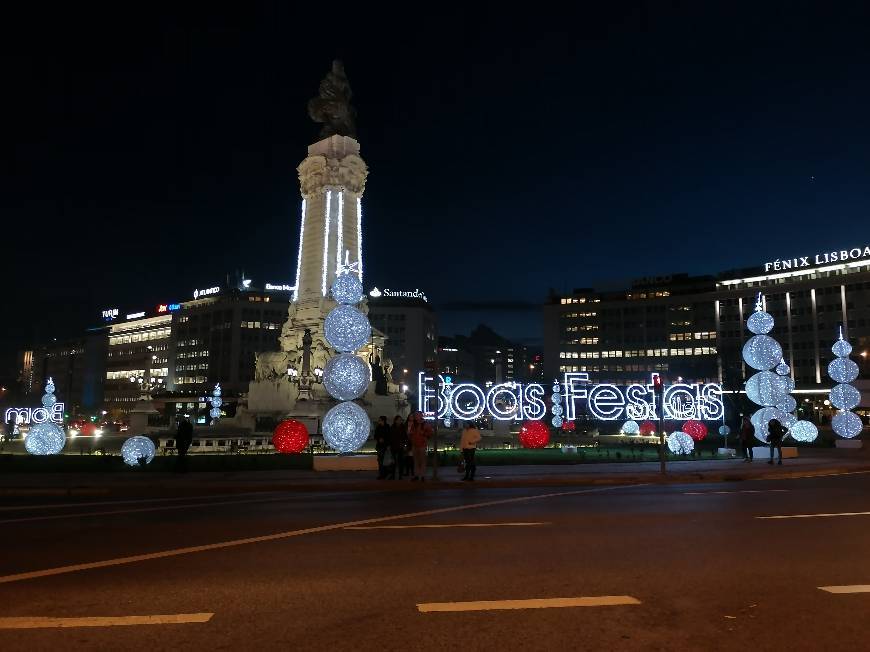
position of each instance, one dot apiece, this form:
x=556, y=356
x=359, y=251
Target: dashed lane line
x=536, y=603
x=436, y=526
x=41, y=622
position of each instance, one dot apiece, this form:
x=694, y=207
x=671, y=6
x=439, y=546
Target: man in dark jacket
x=183, y=440
x=775, y=435
x=382, y=443
x=747, y=434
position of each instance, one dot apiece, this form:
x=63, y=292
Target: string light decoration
x=347, y=289
x=769, y=389
x=46, y=438
x=630, y=428
x=569, y=426
x=804, y=431
x=216, y=402
x=844, y=396
x=695, y=429
x=556, y=408
x=679, y=443
x=346, y=376
x=347, y=329
x=534, y=434
x=290, y=436
x=346, y=427
x=138, y=451
x=647, y=428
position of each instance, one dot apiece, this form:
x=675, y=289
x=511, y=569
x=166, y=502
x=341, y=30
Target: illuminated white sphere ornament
x=762, y=352
x=841, y=348
x=347, y=288
x=346, y=376
x=842, y=370
x=680, y=443
x=760, y=322
x=804, y=431
x=346, y=427
x=766, y=388
x=787, y=404
x=630, y=428
x=347, y=329
x=138, y=451
x=724, y=430
x=782, y=369
x=847, y=424
x=45, y=438
x=845, y=397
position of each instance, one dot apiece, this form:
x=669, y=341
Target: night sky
x=154, y=151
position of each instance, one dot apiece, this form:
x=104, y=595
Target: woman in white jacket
x=468, y=444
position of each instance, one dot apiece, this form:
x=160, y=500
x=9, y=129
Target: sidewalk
x=138, y=484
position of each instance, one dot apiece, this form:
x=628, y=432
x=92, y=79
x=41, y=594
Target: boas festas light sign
x=440, y=398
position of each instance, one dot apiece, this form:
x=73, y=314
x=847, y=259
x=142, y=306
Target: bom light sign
x=605, y=402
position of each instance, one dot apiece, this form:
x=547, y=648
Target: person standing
x=382, y=443
x=747, y=434
x=183, y=440
x=775, y=435
x=398, y=446
x=468, y=444
x=419, y=433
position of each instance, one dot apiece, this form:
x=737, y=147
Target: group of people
x=775, y=434
x=402, y=447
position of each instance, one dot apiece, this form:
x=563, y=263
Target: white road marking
x=50, y=517
x=538, y=603
x=441, y=525
x=783, y=516
x=35, y=622
x=740, y=491
x=849, y=588
x=813, y=476
x=60, y=570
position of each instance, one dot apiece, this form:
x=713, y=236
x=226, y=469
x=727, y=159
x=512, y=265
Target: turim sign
x=605, y=402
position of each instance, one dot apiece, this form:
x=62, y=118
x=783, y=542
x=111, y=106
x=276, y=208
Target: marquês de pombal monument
x=332, y=182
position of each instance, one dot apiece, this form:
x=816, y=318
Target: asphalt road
x=694, y=567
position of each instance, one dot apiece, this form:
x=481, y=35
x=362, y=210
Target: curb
x=159, y=489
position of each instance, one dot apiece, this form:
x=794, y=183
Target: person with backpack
x=747, y=434
x=775, y=434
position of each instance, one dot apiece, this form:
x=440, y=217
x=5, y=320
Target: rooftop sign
x=398, y=294
x=825, y=258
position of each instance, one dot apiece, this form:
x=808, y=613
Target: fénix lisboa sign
x=439, y=398
x=825, y=258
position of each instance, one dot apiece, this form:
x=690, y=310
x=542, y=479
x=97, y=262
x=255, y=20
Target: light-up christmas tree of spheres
x=46, y=438
x=138, y=451
x=290, y=436
x=534, y=434
x=216, y=402
x=772, y=386
x=346, y=377
x=844, y=396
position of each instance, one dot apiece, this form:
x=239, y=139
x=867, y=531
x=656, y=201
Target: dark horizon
x=507, y=155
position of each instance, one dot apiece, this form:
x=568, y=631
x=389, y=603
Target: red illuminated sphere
x=695, y=429
x=88, y=430
x=534, y=434
x=290, y=436
x=647, y=428
x=569, y=426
